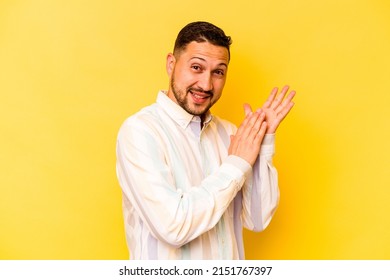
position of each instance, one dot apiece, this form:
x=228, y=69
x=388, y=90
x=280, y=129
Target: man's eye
x=196, y=67
x=219, y=72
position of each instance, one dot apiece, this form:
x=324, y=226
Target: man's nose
x=205, y=82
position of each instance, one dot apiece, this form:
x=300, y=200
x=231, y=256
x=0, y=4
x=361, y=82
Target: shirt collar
x=176, y=112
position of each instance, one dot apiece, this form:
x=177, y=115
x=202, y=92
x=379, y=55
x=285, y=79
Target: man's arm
x=261, y=191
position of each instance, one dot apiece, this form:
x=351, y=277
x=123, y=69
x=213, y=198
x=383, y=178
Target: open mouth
x=199, y=97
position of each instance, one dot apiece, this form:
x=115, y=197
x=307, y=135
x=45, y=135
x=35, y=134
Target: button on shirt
x=184, y=197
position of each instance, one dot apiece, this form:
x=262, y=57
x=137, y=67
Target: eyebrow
x=196, y=57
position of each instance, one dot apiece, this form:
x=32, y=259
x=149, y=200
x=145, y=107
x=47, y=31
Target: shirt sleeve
x=260, y=190
x=173, y=216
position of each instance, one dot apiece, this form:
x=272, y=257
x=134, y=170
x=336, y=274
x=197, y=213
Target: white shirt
x=184, y=197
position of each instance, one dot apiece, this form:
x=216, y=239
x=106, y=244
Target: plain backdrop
x=72, y=71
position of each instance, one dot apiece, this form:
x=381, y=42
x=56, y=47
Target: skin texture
x=197, y=77
x=276, y=107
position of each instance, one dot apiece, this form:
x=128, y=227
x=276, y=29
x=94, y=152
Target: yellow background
x=71, y=71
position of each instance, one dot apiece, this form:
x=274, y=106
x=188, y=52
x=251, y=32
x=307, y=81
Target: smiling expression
x=197, y=76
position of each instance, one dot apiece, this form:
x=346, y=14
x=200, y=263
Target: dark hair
x=201, y=31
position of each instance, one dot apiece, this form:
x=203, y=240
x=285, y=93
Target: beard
x=182, y=100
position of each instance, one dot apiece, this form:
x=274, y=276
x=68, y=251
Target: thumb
x=247, y=109
x=231, y=148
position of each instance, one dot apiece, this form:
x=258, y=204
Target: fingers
x=259, y=129
x=248, y=124
x=270, y=98
x=286, y=103
x=278, y=100
x=260, y=134
x=232, y=146
x=244, y=124
x=258, y=120
x=251, y=125
x=281, y=112
x=247, y=141
x=247, y=109
x=274, y=99
x=285, y=110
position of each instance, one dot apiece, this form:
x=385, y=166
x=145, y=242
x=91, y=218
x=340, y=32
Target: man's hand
x=275, y=108
x=247, y=140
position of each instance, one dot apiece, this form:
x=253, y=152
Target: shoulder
x=144, y=120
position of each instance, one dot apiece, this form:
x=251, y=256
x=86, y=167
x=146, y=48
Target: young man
x=191, y=180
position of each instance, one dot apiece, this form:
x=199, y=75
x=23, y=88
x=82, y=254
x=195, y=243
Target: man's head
x=198, y=66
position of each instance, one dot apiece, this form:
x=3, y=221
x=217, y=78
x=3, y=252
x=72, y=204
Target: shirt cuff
x=239, y=163
x=268, y=145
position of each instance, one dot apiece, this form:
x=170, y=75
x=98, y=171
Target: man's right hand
x=247, y=140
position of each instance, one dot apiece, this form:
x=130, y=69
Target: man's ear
x=171, y=60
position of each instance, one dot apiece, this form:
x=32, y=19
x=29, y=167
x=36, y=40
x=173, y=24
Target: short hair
x=201, y=31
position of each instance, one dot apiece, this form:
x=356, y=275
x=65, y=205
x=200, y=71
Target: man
x=191, y=180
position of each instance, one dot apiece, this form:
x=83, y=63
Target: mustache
x=209, y=92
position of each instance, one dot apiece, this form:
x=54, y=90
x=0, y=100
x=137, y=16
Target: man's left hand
x=276, y=108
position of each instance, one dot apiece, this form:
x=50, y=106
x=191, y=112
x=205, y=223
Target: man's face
x=197, y=76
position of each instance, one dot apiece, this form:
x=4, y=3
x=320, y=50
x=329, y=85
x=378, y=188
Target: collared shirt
x=184, y=197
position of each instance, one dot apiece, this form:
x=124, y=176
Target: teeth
x=198, y=96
